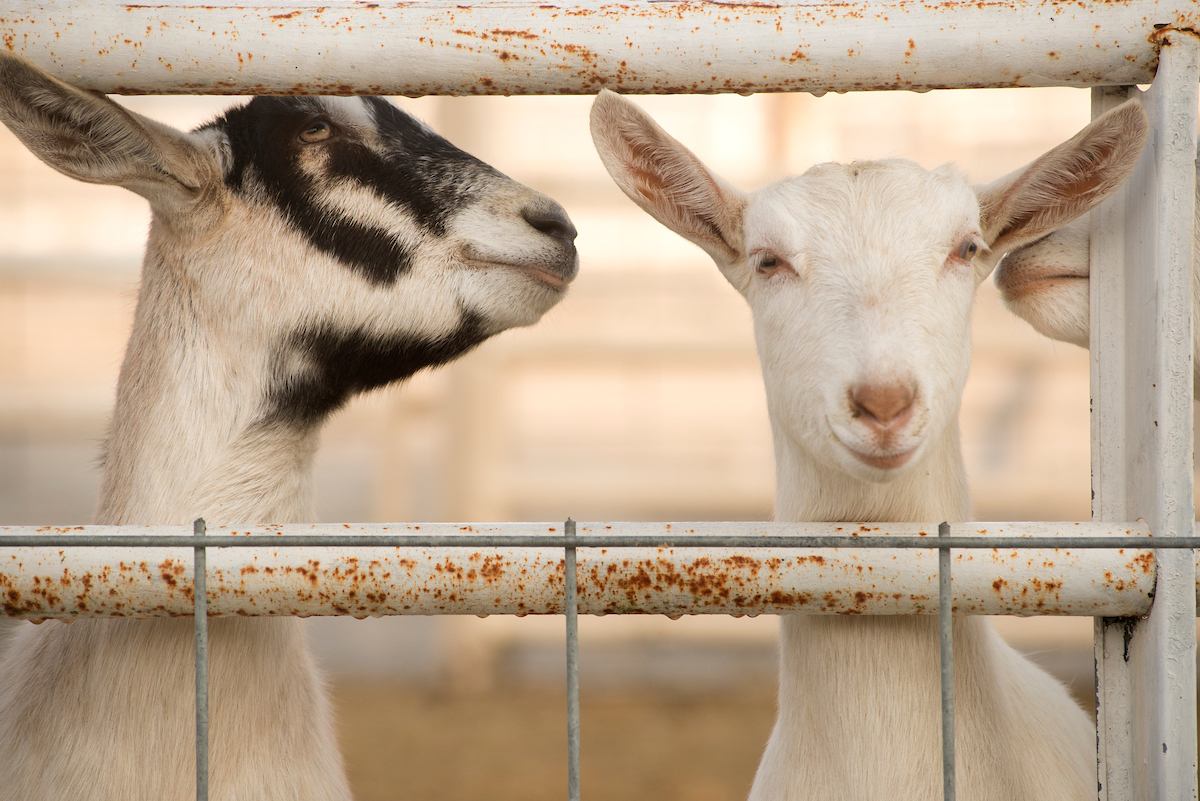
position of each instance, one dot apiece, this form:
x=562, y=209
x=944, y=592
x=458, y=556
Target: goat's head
x=1047, y=284
x=861, y=277
x=338, y=237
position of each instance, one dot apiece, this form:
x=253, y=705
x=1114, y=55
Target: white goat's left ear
x=669, y=182
x=1061, y=185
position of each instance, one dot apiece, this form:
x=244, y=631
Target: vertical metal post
x=946, y=631
x=200, y=599
x=572, y=598
x=1114, y=749
x=1141, y=340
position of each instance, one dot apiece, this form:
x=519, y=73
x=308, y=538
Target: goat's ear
x=1063, y=184
x=88, y=137
x=667, y=180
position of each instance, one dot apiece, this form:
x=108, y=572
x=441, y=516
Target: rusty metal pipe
x=68, y=582
x=535, y=47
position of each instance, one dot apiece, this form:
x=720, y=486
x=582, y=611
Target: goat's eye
x=319, y=131
x=767, y=264
x=967, y=249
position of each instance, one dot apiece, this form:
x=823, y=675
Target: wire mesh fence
x=1124, y=553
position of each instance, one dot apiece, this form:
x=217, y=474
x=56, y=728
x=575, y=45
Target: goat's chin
x=1055, y=307
x=508, y=297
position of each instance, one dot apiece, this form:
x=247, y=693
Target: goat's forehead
x=354, y=110
x=895, y=199
x=263, y=114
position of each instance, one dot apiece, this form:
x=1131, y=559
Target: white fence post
x=1142, y=438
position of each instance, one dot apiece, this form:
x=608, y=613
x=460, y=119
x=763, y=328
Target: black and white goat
x=302, y=250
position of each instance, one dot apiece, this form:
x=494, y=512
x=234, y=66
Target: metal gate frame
x=1142, y=253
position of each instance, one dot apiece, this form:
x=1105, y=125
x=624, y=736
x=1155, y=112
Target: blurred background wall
x=638, y=398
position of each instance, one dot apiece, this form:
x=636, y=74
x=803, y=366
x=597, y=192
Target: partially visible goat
x=1047, y=285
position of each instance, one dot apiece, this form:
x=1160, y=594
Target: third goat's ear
x=1063, y=184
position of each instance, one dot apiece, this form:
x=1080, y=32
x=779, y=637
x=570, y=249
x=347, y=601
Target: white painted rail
x=539, y=47
x=72, y=581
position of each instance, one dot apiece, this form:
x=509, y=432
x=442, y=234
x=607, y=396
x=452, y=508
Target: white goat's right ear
x=88, y=137
x=1063, y=184
x=667, y=180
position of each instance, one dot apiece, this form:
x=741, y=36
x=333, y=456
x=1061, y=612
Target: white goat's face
x=331, y=244
x=861, y=278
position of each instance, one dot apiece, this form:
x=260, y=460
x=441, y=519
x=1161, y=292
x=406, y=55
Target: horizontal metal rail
x=539, y=47
x=674, y=569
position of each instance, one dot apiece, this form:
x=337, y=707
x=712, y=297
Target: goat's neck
x=185, y=439
x=931, y=491
x=886, y=651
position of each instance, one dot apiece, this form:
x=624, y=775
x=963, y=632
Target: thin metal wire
x=573, y=668
x=200, y=598
x=946, y=630
x=572, y=612
x=598, y=541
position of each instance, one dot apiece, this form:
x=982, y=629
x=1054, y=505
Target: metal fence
x=1144, y=600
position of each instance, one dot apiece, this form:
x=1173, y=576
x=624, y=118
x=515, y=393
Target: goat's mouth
x=551, y=278
x=889, y=462
x=885, y=461
x=1016, y=283
x=1036, y=285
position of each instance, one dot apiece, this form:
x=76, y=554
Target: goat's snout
x=884, y=408
x=549, y=218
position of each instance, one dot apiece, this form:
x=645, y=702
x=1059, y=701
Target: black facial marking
x=420, y=173
x=338, y=365
x=264, y=145
x=438, y=177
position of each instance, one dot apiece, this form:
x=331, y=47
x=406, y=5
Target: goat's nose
x=550, y=219
x=883, y=405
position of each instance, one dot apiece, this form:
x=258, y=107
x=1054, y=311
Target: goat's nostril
x=883, y=404
x=550, y=219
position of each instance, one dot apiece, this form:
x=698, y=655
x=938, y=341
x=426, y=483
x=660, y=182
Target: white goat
x=302, y=250
x=1047, y=285
x=860, y=279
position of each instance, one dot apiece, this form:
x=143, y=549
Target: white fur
x=102, y=709
x=861, y=304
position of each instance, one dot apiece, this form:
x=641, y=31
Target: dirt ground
x=408, y=744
